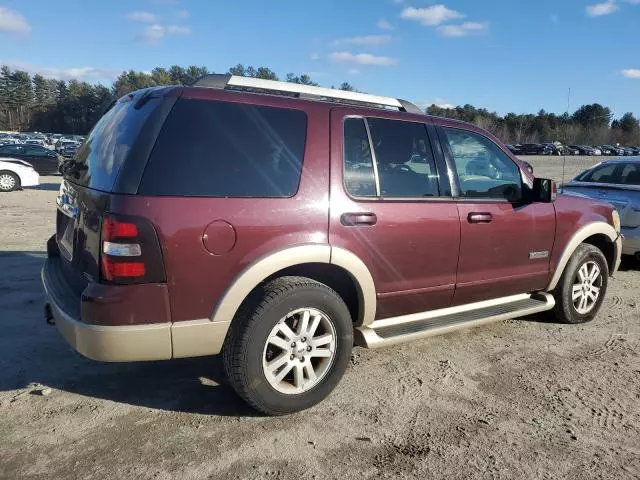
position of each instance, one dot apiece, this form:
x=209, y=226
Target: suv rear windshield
x=98, y=162
x=222, y=149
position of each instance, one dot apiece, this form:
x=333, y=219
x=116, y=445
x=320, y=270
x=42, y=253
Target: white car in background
x=15, y=174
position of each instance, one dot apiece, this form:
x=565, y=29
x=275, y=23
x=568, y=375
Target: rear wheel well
x=606, y=246
x=334, y=277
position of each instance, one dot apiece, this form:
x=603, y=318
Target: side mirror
x=528, y=166
x=544, y=190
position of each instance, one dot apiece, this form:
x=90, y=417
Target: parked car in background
x=568, y=150
x=606, y=150
x=45, y=161
x=275, y=248
x=549, y=149
x=62, y=144
x=617, y=182
x=628, y=152
x=15, y=174
x=69, y=150
x=33, y=141
x=531, y=149
x=583, y=149
x=515, y=149
x=611, y=150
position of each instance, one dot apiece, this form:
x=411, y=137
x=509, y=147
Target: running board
x=392, y=331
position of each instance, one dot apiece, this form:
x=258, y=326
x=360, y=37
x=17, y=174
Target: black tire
x=12, y=177
x=244, y=346
x=565, y=311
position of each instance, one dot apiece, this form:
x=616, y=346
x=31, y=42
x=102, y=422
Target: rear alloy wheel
x=581, y=290
x=289, y=345
x=9, y=181
x=299, y=351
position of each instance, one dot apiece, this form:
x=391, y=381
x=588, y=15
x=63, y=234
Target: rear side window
x=220, y=149
x=404, y=163
x=403, y=154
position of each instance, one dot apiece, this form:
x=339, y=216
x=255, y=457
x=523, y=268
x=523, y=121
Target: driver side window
x=484, y=170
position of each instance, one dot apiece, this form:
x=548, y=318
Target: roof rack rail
x=234, y=82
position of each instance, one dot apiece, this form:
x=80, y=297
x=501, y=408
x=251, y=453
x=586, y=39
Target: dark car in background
x=515, y=149
x=583, y=149
x=568, y=150
x=69, y=151
x=44, y=161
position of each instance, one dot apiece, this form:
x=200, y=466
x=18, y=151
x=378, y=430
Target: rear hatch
x=109, y=163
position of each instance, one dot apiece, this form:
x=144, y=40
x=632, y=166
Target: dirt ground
x=520, y=399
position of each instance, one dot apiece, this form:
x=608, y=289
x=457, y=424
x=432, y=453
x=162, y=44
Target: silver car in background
x=617, y=182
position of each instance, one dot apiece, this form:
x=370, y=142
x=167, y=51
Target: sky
x=504, y=55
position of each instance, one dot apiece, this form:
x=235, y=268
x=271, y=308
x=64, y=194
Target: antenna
x=564, y=150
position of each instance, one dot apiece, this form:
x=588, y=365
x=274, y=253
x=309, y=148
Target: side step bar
x=392, y=331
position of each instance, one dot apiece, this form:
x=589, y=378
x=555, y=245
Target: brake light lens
x=112, y=228
x=130, y=251
x=113, y=270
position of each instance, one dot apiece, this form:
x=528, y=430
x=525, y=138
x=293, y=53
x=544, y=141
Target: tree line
x=590, y=124
x=35, y=103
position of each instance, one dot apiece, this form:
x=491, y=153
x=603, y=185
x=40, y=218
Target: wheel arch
x=599, y=234
x=336, y=267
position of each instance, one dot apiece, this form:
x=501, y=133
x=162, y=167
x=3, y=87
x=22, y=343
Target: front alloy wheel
x=586, y=287
x=582, y=287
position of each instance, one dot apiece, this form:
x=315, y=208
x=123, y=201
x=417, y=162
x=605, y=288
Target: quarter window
x=484, y=170
x=222, y=149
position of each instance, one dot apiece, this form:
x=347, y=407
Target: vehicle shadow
x=32, y=352
x=50, y=187
x=629, y=263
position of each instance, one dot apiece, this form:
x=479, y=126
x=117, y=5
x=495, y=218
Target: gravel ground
x=517, y=399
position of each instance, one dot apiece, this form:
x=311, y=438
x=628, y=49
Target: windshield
x=98, y=161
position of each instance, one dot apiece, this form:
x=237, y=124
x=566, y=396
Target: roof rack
x=296, y=90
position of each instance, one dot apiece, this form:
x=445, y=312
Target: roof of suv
x=293, y=92
x=311, y=92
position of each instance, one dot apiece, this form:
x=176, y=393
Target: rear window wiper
x=144, y=98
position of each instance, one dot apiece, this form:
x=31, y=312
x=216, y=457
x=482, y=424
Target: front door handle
x=357, y=219
x=479, y=217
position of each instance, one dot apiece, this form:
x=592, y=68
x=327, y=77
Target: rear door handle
x=479, y=217
x=357, y=219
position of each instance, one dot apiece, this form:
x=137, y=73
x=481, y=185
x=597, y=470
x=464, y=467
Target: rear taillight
x=130, y=251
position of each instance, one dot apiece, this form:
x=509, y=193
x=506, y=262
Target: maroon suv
x=279, y=224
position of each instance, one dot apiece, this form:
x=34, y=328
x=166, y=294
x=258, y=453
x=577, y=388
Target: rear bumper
x=631, y=241
x=126, y=343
